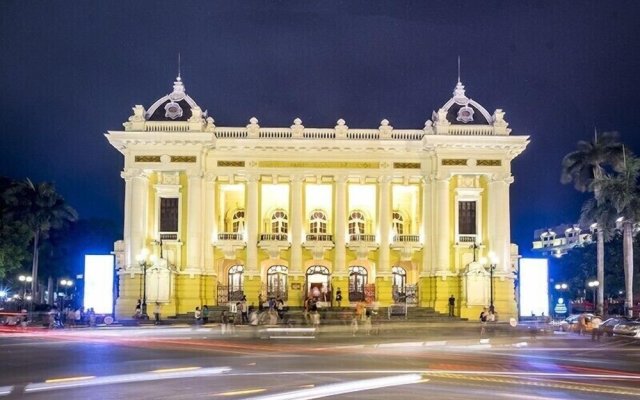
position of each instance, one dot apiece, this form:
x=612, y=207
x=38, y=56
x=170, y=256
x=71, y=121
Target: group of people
x=71, y=317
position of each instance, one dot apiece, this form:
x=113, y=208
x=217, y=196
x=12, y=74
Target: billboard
x=98, y=283
x=534, y=287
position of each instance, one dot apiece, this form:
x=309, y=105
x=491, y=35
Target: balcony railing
x=467, y=239
x=168, y=236
x=319, y=237
x=362, y=238
x=231, y=236
x=406, y=238
x=274, y=237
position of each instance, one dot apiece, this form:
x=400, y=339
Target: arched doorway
x=277, y=282
x=357, y=281
x=236, y=282
x=399, y=282
x=318, y=283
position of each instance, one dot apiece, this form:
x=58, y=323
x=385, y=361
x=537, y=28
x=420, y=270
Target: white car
x=628, y=329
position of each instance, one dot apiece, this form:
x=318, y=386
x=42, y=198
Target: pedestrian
x=245, y=310
x=315, y=318
x=596, y=321
x=307, y=310
x=484, y=316
x=452, y=305
x=582, y=324
x=354, y=323
x=92, y=317
x=367, y=322
x=237, y=319
x=339, y=298
x=224, y=320
x=77, y=317
x=197, y=315
x=260, y=302
x=138, y=312
x=205, y=315
x=156, y=313
x=280, y=308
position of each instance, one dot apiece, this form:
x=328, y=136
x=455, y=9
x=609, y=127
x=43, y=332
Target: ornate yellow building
x=387, y=215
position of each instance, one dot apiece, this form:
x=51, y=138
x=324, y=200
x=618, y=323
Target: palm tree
x=622, y=191
x=582, y=167
x=42, y=209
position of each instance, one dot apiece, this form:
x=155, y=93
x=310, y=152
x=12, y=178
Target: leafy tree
x=14, y=235
x=622, y=191
x=42, y=209
x=582, y=167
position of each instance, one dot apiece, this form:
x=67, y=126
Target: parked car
x=628, y=329
x=606, y=328
x=570, y=324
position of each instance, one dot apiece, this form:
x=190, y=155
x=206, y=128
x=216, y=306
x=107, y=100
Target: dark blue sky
x=69, y=71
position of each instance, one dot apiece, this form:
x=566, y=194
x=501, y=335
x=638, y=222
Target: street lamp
x=493, y=262
x=594, y=285
x=66, y=284
x=24, y=279
x=145, y=261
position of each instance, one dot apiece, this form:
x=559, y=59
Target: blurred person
x=205, y=315
x=452, y=305
x=339, y=298
x=484, y=317
x=197, y=315
x=596, y=321
x=156, y=313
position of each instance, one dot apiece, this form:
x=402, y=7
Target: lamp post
x=66, y=284
x=144, y=261
x=24, y=279
x=594, y=285
x=492, y=263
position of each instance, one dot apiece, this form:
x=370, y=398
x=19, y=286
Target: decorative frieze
x=226, y=163
x=454, y=161
x=319, y=164
x=183, y=159
x=489, y=163
x=406, y=165
x=147, y=159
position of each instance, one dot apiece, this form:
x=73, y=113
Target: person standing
x=260, y=302
x=484, y=316
x=596, y=321
x=452, y=305
x=244, y=311
x=156, y=313
x=339, y=298
x=197, y=315
x=205, y=315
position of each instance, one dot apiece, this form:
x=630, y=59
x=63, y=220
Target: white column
x=297, y=219
x=253, y=221
x=126, y=234
x=139, y=214
x=427, y=225
x=340, y=225
x=498, y=220
x=194, y=221
x=443, y=230
x=384, y=215
x=210, y=222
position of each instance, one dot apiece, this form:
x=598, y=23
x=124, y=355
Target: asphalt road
x=404, y=363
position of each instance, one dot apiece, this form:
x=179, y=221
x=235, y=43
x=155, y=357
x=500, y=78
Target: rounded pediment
x=462, y=110
x=176, y=106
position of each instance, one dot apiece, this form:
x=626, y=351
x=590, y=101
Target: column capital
x=194, y=173
x=504, y=177
x=340, y=179
x=296, y=178
x=385, y=179
x=131, y=173
x=253, y=178
x=210, y=176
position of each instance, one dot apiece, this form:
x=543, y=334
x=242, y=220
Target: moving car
x=606, y=328
x=570, y=324
x=628, y=329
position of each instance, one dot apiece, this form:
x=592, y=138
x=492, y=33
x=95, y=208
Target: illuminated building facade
x=387, y=215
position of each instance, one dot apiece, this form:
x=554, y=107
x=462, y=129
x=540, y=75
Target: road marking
x=71, y=379
x=239, y=392
x=161, y=371
x=66, y=383
x=5, y=390
x=344, y=387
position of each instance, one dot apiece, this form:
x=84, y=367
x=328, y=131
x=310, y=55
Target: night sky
x=70, y=71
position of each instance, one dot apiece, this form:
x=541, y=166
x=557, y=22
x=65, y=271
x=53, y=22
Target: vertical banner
x=534, y=287
x=98, y=283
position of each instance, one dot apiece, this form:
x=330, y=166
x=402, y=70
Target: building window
x=237, y=221
x=277, y=282
x=399, y=280
x=357, y=281
x=356, y=223
x=236, y=283
x=169, y=209
x=397, y=223
x=467, y=218
x=279, y=222
x=318, y=222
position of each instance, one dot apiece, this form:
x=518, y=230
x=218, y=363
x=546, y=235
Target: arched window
x=236, y=283
x=399, y=281
x=279, y=222
x=277, y=282
x=356, y=223
x=397, y=223
x=357, y=281
x=318, y=222
x=237, y=221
